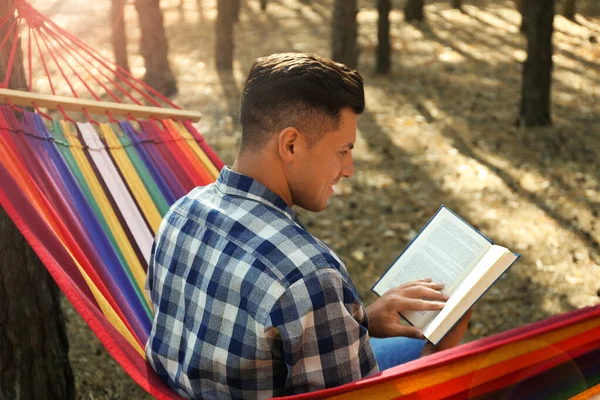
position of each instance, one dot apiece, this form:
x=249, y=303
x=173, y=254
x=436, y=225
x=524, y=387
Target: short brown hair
x=301, y=90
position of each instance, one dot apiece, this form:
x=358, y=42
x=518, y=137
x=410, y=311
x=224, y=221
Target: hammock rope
x=89, y=197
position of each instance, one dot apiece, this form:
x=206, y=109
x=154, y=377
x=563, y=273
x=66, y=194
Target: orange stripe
x=461, y=367
x=200, y=154
x=17, y=169
x=202, y=175
x=590, y=394
x=424, y=379
x=491, y=378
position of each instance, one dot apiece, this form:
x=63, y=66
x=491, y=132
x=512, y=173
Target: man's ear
x=290, y=142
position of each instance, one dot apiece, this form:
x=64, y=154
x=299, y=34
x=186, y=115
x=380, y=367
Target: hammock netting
x=89, y=196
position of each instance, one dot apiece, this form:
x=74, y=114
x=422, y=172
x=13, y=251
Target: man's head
x=300, y=111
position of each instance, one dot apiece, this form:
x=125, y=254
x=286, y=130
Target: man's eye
x=343, y=153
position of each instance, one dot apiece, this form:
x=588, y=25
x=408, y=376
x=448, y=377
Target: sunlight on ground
x=439, y=129
x=473, y=55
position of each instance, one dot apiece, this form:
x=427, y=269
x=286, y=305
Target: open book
x=448, y=250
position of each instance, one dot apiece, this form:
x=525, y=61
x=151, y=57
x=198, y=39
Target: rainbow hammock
x=88, y=197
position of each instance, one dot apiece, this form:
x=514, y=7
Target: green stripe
x=159, y=199
x=65, y=149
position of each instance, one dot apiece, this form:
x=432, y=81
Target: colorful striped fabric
x=551, y=359
x=89, y=199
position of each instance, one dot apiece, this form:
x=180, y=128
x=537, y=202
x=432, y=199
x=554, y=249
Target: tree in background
x=345, y=30
x=413, y=10
x=384, y=48
x=537, y=72
x=520, y=4
x=34, y=362
x=226, y=17
x=263, y=5
x=237, y=6
x=569, y=10
x=119, y=36
x=154, y=47
x=456, y=4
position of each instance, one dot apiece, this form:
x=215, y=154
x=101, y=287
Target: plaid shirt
x=247, y=303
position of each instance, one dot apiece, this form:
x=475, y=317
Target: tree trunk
x=344, y=32
x=537, y=72
x=384, y=48
x=17, y=77
x=119, y=36
x=154, y=47
x=263, y=5
x=237, y=5
x=224, y=34
x=521, y=8
x=456, y=4
x=34, y=362
x=413, y=11
x=569, y=10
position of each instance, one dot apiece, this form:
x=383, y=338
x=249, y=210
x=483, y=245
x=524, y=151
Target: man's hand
x=384, y=320
x=452, y=338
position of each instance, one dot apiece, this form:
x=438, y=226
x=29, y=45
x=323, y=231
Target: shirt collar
x=236, y=184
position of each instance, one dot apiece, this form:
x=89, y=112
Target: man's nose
x=348, y=168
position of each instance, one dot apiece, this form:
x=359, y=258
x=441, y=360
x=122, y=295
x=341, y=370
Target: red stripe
x=204, y=146
x=40, y=226
x=169, y=148
x=466, y=350
x=179, y=170
x=54, y=219
x=199, y=173
x=526, y=373
x=37, y=219
x=110, y=338
x=516, y=369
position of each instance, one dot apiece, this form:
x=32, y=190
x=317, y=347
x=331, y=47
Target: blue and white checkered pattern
x=247, y=303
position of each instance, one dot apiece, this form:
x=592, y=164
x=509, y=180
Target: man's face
x=320, y=167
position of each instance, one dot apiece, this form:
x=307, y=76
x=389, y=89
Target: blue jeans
x=393, y=351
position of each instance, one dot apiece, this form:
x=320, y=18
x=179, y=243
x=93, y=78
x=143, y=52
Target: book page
x=484, y=274
x=445, y=251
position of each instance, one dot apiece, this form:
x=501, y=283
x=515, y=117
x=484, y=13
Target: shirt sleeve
x=321, y=327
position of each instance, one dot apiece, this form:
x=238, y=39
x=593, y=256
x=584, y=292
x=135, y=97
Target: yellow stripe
x=106, y=308
x=208, y=164
x=133, y=180
x=422, y=380
x=108, y=311
x=107, y=211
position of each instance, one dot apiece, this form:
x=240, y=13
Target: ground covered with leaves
x=439, y=129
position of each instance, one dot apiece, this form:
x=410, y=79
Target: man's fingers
x=409, y=331
x=424, y=282
x=423, y=305
x=434, y=285
x=412, y=283
x=422, y=292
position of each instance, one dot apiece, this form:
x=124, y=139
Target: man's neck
x=266, y=169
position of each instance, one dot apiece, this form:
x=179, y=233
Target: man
x=248, y=304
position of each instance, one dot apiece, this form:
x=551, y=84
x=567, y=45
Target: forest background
x=442, y=126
